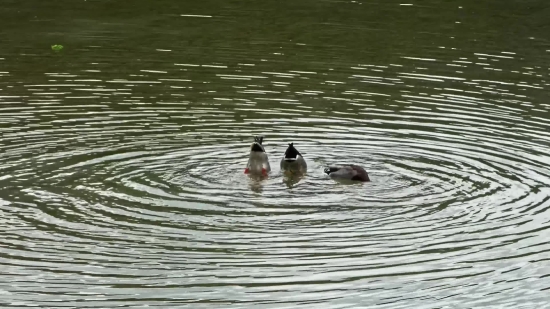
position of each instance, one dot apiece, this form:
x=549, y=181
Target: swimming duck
x=258, y=163
x=293, y=160
x=349, y=172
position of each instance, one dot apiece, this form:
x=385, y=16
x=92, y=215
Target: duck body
x=258, y=162
x=293, y=161
x=348, y=172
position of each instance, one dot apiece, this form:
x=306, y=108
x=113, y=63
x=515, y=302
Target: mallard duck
x=348, y=172
x=258, y=163
x=293, y=160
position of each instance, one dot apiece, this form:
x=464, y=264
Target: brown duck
x=348, y=172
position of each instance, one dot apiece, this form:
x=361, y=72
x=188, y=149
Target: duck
x=348, y=172
x=258, y=162
x=293, y=161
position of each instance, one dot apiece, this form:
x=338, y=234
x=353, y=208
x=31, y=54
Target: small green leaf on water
x=57, y=47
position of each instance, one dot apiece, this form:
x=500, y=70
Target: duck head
x=329, y=170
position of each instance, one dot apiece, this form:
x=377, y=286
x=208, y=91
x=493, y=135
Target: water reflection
x=257, y=182
x=291, y=179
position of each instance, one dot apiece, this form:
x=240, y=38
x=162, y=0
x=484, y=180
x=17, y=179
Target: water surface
x=122, y=156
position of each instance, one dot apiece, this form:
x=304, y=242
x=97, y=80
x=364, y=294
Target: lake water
x=122, y=155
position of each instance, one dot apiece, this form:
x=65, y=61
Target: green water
x=122, y=155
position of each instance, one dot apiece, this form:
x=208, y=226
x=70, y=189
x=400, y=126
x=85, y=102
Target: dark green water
x=122, y=156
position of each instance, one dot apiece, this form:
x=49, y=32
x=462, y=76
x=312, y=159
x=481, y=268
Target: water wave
x=144, y=200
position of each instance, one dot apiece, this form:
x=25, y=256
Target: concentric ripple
x=115, y=193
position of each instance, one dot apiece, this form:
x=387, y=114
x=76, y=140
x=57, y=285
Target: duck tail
x=293, y=149
x=258, y=139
